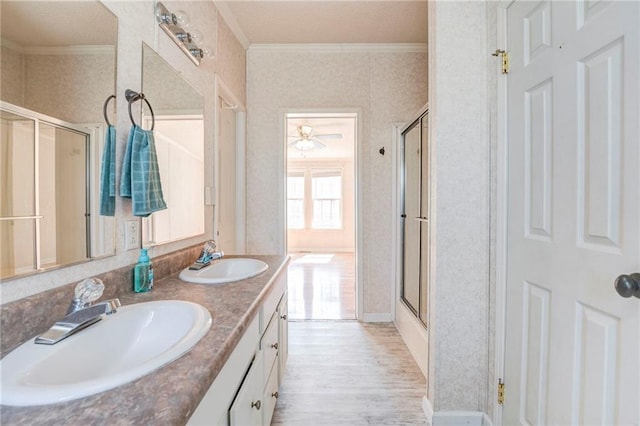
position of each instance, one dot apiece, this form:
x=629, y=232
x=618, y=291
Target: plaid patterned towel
x=140, y=179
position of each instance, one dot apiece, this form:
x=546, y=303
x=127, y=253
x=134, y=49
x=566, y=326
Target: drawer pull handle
x=284, y=317
x=275, y=395
x=256, y=404
x=275, y=346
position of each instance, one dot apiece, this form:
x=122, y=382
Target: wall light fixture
x=176, y=26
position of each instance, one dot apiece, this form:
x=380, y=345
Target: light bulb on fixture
x=207, y=53
x=174, y=25
x=304, y=145
x=181, y=19
x=196, y=37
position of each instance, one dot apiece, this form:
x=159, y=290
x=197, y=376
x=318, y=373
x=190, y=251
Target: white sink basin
x=225, y=271
x=121, y=348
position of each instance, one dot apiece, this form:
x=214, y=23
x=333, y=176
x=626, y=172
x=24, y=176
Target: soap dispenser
x=143, y=273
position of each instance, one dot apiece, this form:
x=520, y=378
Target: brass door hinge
x=505, y=59
x=500, y=392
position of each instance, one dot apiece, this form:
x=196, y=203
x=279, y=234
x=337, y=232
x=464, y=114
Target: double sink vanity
x=207, y=352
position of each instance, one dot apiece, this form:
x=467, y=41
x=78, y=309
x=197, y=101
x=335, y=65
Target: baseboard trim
x=486, y=421
x=381, y=317
x=460, y=418
x=414, y=335
x=428, y=409
x=316, y=250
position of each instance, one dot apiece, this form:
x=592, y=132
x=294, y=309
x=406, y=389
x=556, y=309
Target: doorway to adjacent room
x=321, y=215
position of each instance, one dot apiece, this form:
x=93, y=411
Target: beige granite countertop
x=169, y=395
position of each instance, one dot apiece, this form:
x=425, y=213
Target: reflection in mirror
x=58, y=68
x=179, y=139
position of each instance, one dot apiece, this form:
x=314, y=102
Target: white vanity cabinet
x=246, y=389
x=283, y=336
x=247, y=406
x=270, y=346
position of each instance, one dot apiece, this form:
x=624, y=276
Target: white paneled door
x=572, y=353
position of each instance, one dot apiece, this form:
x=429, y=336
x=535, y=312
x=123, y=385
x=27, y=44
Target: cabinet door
x=283, y=336
x=411, y=219
x=270, y=397
x=270, y=346
x=246, y=409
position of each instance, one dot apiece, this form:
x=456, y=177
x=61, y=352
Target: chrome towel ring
x=133, y=96
x=104, y=109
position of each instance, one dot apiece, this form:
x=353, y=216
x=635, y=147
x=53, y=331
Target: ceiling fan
x=306, y=140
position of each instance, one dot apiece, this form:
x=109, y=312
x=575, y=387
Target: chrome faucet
x=207, y=255
x=81, y=313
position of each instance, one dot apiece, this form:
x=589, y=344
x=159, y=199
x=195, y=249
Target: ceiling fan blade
x=294, y=142
x=329, y=136
x=317, y=143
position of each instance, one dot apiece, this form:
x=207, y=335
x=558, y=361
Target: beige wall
x=463, y=78
x=136, y=24
x=386, y=86
x=12, y=76
x=65, y=86
x=82, y=81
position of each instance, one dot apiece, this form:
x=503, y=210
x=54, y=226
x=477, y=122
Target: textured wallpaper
x=386, y=86
x=137, y=24
x=459, y=91
x=12, y=76
x=72, y=88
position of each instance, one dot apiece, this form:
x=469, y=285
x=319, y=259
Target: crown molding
x=59, y=50
x=232, y=23
x=70, y=50
x=341, y=47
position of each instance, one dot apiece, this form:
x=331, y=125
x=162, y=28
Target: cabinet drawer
x=283, y=336
x=273, y=299
x=269, y=346
x=247, y=408
x=215, y=405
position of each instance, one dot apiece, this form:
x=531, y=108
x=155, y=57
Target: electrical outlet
x=131, y=235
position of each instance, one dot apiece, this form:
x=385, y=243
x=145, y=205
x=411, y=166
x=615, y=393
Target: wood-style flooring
x=349, y=373
x=321, y=286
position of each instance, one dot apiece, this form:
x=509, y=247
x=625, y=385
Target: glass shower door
x=411, y=216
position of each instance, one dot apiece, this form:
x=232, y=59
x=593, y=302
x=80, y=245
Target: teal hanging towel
x=108, y=174
x=140, y=179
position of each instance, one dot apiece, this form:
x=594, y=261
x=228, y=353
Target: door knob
x=628, y=285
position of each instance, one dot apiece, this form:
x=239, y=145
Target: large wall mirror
x=58, y=69
x=179, y=137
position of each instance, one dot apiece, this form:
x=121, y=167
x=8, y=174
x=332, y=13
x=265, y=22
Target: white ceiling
x=321, y=21
x=57, y=23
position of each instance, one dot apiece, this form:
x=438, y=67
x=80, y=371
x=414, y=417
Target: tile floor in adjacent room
x=349, y=373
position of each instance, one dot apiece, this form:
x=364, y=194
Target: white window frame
x=308, y=200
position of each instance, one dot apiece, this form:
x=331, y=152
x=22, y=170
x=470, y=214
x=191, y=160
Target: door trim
x=413, y=332
x=358, y=190
x=502, y=170
x=224, y=92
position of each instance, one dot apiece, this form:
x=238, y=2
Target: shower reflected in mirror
x=58, y=67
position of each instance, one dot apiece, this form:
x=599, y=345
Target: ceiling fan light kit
x=306, y=141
